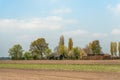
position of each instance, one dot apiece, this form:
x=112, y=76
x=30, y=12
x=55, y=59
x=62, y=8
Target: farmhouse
x=88, y=55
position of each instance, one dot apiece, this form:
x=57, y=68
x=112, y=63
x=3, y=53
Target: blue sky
x=23, y=21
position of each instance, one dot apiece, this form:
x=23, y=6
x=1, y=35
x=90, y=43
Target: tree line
x=39, y=50
x=114, y=49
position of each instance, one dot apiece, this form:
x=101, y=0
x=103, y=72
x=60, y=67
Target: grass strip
x=93, y=67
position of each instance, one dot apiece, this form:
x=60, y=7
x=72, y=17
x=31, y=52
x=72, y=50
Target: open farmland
x=60, y=61
x=60, y=70
x=22, y=74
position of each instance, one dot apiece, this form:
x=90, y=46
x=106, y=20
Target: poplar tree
x=61, y=48
x=61, y=42
x=111, y=48
x=119, y=48
x=70, y=44
x=115, y=48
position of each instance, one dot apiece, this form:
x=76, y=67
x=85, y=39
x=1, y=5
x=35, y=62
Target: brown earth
x=22, y=74
x=61, y=61
x=29, y=74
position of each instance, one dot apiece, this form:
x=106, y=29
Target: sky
x=23, y=21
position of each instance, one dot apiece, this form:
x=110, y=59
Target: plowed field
x=61, y=61
x=18, y=74
x=42, y=74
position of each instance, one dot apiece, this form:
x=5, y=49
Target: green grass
x=94, y=67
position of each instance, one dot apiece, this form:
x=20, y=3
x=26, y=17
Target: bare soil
x=22, y=74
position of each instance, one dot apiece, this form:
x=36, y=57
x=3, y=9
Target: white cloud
x=100, y=34
x=76, y=33
x=46, y=23
x=115, y=9
x=115, y=31
x=85, y=33
x=25, y=37
x=61, y=11
x=8, y=23
x=71, y=21
x=49, y=23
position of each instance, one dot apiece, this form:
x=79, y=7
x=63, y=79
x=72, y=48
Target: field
x=60, y=70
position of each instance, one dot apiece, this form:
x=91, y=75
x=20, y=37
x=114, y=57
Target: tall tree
x=61, y=42
x=111, y=48
x=115, y=48
x=62, y=50
x=61, y=45
x=95, y=46
x=16, y=52
x=38, y=48
x=70, y=44
x=119, y=48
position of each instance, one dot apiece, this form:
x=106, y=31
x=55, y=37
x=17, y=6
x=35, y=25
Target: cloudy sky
x=23, y=21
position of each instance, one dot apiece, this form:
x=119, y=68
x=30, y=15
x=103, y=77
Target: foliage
x=111, y=48
x=115, y=48
x=61, y=42
x=38, y=48
x=76, y=52
x=28, y=56
x=47, y=53
x=70, y=44
x=71, y=55
x=95, y=46
x=16, y=52
x=36, y=55
x=119, y=48
x=61, y=45
x=62, y=51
